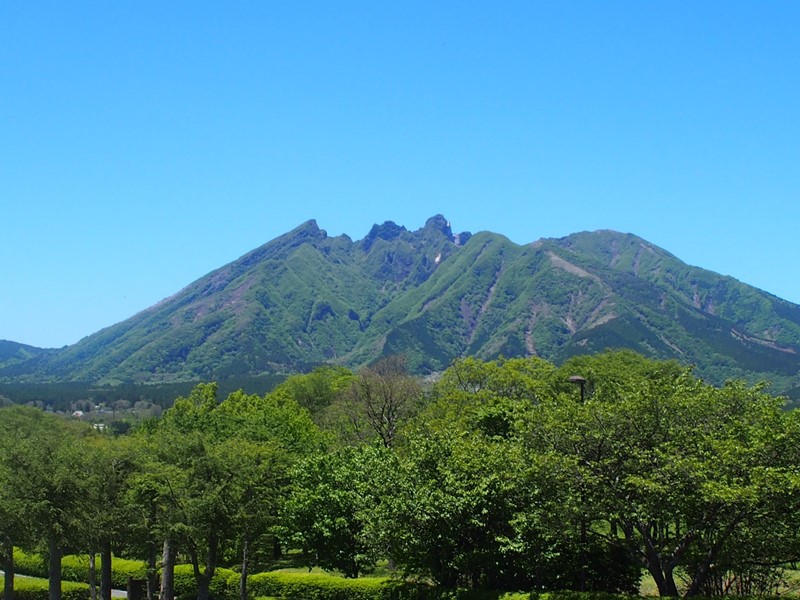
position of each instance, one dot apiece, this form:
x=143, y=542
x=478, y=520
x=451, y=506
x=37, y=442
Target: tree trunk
x=200, y=578
x=204, y=579
x=168, y=572
x=670, y=587
x=8, y=567
x=105, y=570
x=701, y=574
x=152, y=572
x=202, y=587
x=92, y=575
x=663, y=576
x=243, y=576
x=54, y=568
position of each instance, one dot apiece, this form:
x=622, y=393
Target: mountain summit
x=305, y=298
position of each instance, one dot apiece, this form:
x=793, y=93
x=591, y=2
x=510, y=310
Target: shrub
x=76, y=568
x=29, y=564
x=299, y=586
x=186, y=586
x=27, y=588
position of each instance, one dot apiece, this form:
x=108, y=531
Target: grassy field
x=790, y=586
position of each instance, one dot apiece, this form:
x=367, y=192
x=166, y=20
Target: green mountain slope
x=13, y=353
x=306, y=298
x=586, y=293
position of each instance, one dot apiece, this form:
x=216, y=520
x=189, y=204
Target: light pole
x=581, y=381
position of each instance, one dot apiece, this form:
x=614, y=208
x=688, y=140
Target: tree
x=226, y=466
x=380, y=399
x=470, y=504
x=332, y=499
x=315, y=391
x=15, y=526
x=490, y=396
x=677, y=468
x=43, y=458
x=111, y=461
x=148, y=497
x=450, y=511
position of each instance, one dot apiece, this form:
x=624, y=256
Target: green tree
x=472, y=504
x=490, y=396
x=226, y=466
x=110, y=461
x=332, y=499
x=149, y=495
x=315, y=391
x=675, y=467
x=379, y=400
x=44, y=456
x=450, y=513
x=16, y=528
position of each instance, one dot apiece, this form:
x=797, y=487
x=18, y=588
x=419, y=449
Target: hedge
x=314, y=586
x=34, y=565
x=219, y=589
x=28, y=588
x=265, y=586
x=76, y=568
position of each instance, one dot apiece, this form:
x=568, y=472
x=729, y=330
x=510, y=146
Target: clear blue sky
x=144, y=144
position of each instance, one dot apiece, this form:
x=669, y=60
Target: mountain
x=306, y=298
x=13, y=353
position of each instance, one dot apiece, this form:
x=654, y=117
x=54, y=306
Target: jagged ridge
x=306, y=298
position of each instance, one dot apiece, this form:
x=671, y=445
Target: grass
x=295, y=562
x=790, y=587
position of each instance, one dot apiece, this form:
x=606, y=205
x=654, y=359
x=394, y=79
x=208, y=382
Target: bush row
x=26, y=588
x=76, y=568
x=301, y=586
x=287, y=586
x=264, y=586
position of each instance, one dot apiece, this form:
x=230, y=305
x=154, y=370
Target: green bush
x=31, y=564
x=219, y=589
x=76, y=568
x=27, y=588
x=298, y=586
x=314, y=586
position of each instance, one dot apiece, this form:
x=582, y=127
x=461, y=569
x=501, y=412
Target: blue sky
x=144, y=144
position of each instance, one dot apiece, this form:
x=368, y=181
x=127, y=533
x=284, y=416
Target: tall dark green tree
x=16, y=527
x=45, y=458
x=110, y=464
x=227, y=464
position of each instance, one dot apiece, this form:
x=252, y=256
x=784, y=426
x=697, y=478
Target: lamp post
x=581, y=381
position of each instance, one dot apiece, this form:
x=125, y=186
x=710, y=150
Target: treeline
x=62, y=396
x=503, y=475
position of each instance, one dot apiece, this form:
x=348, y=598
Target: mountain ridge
x=305, y=298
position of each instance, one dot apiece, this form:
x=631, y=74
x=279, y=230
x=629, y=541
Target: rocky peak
x=439, y=223
x=388, y=231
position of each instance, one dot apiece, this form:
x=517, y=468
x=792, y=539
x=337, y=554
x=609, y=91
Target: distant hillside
x=13, y=353
x=306, y=298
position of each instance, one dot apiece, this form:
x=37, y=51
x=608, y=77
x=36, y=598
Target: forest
x=511, y=475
